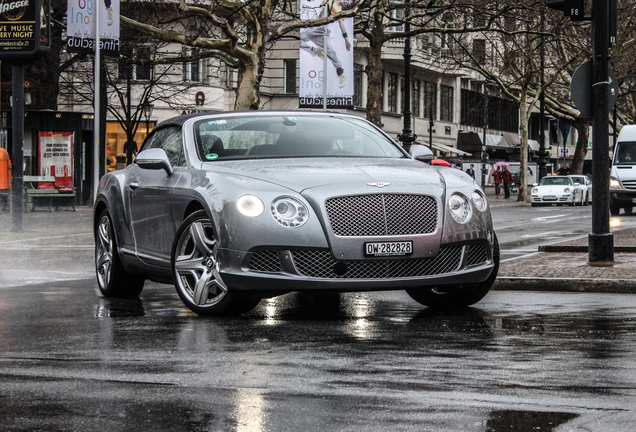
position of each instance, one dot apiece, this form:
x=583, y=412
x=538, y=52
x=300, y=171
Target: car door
x=150, y=193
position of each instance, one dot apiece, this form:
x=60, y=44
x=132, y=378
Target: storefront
x=116, y=143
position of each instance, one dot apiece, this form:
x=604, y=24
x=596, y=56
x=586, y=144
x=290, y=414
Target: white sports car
x=557, y=190
x=585, y=184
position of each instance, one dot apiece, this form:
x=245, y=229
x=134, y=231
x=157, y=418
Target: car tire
x=112, y=279
x=628, y=209
x=195, y=271
x=535, y=205
x=614, y=209
x=587, y=199
x=457, y=296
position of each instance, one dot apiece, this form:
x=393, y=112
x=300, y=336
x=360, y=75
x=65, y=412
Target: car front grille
x=629, y=184
x=382, y=215
x=320, y=264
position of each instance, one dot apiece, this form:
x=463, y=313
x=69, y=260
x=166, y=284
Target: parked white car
x=585, y=184
x=557, y=190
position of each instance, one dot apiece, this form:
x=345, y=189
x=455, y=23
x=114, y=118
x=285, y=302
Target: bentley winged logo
x=379, y=184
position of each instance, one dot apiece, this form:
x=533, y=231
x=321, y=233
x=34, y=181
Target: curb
x=609, y=286
x=566, y=248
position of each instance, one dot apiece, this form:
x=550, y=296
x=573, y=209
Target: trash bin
x=5, y=170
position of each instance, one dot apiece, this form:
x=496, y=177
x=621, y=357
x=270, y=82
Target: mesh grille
x=476, y=255
x=320, y=264
x=382, y=214
x=265, y=261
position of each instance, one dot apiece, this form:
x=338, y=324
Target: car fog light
x=250, y=205
x=289, y=212
x=459, y=208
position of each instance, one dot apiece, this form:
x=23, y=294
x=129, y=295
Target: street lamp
x=147, y=114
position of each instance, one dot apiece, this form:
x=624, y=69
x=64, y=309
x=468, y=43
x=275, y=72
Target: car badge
x=379, y=184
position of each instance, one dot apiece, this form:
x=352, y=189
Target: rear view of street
x=518, y=360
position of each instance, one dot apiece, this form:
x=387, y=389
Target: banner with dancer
x=80, y=26
x=339, y=52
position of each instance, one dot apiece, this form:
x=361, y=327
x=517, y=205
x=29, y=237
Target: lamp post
x=407, y=136
x=147, y=114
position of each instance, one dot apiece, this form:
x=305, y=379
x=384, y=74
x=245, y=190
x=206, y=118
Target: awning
x=449, y=149
x=533, y=144
x=496, y=141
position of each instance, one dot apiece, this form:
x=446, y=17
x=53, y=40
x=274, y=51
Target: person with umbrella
x=496, y=175
x=507, y=178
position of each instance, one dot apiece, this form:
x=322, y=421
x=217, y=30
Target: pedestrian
x=471, y=171
x=507, y=181
x=496, y=175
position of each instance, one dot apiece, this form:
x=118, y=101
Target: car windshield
x=625, y=153
x=248, y=137
x=556, y=181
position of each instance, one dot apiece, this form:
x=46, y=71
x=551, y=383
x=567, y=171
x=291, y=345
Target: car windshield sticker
x=217, y=122
x=211, y=156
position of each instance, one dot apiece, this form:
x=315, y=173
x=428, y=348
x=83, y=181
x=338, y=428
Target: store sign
x=24, y=30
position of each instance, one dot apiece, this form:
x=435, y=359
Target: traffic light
x=575, y=9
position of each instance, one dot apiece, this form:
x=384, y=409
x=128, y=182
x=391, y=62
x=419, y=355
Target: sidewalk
x=560, y=267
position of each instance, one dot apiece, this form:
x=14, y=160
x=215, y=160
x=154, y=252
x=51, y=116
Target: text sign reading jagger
x=24, y=29
x=17, y=26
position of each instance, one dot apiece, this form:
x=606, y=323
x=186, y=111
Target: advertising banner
x=80, y=26
x=56, y=156
x=24, y=29
x=339, y=52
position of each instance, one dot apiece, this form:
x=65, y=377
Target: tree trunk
x=523, y=168
x=582, y=126
x=247, y=91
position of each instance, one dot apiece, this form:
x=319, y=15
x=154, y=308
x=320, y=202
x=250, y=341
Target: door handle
x=133, y=186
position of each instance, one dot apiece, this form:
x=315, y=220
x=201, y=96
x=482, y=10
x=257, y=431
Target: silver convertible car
x=235, y=207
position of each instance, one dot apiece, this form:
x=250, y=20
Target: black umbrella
x=455, y=161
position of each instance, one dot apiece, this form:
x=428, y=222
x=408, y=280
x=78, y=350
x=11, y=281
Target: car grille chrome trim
x=320, y=264
x=266, y=261
x=375, y=215
x=629, y=184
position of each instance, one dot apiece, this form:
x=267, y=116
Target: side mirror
x=535, y=184
x=154, y=159
x=577, y=184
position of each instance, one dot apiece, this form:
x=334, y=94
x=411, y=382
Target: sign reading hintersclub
x=80, y=26
x=24, y=30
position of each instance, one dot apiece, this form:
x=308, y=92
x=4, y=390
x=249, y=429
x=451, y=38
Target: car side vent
x=265, y=261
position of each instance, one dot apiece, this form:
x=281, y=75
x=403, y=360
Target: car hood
x=307, y=173
x=548, y=190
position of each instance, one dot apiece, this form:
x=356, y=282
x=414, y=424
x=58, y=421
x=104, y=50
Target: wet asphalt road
x=71, y=360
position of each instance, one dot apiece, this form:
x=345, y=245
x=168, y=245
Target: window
x=430, y=99
x=290, y=77
x=392, y=92
x=479, y=51
x=142, y=72
x=169, y=139
x=415, y=97
x=193, y=70
x=357, y=85
x=446, y=103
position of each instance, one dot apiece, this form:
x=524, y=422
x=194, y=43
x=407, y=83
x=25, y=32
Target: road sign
x=581, y=88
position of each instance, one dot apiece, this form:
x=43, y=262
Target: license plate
x=388, y=248
x=549, y=198
x=633, y=200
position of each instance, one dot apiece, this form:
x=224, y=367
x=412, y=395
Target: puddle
x=526, y=421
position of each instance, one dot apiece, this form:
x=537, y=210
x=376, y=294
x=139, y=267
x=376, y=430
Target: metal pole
x=96, y=107
x=324, y=68
x=17, y=123
x=542, y=153
x=483, y=141
x=407, y=137
x=600, y=241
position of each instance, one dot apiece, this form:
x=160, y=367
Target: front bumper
x=282, y=270
x=552, y=199
x=623, y=198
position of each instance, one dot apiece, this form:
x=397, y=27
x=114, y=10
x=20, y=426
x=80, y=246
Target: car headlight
x=479, y=200
x=535, y=190
x=615, y=183
x=459, y=208
x=250, y=205
x=566, y=190
x=289, y=212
